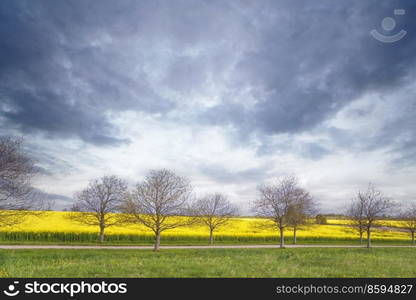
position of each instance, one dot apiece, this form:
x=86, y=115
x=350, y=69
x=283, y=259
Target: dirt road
x=192, y=247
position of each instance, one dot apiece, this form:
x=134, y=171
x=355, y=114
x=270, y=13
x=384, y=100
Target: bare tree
x=277, y=201
x=355, y=213
x=158, y=200
x=17, y=197
x=214, y=211
x=97, y=204
x=409, y=220
x=300, y=213
x=367, y=209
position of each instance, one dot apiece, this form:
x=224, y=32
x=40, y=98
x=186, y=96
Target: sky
x=230, y=94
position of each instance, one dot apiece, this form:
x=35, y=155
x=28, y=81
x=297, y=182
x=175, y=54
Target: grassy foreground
x=303, y=262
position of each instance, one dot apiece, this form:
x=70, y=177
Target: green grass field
x=204, y=242
x=303, y=262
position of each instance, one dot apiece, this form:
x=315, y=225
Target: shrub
x=321, y=219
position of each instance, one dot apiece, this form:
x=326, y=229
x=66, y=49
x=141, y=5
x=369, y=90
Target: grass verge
x=302, y=262
x=168, y=242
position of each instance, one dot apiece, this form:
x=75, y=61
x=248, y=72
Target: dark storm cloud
x=52, y=113
x=59, y=77
x=399, y=134
x=284, y=66
x=387, y=123
x=313, y=58
x=65, y=64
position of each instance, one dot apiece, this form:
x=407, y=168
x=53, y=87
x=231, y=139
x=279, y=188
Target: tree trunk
x=361, y=236
x=157, y=241
x=101, y=234
x=282, y=238
x=211, y=236
x=294, y=235
x=368, y=237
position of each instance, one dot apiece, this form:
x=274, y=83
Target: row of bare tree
x=162, y=196
x=162, y=201
x=369, y=209
x=156, y=201
x=288, y=205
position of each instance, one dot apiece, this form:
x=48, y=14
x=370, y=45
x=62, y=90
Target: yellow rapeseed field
x=387, y=223
x=54, y=225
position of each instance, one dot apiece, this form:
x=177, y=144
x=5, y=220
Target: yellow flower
x=49, y=224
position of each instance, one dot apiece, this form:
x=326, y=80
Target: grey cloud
x=224, y=175
x=392, y=129
x=98, y=57
x=52, y=113
x=314, y=151
x=50, y=162
x=186, y=74
x=313, y=59
x=59, y=81
x=285, y=67
x=399, y=134
x=55, y=201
